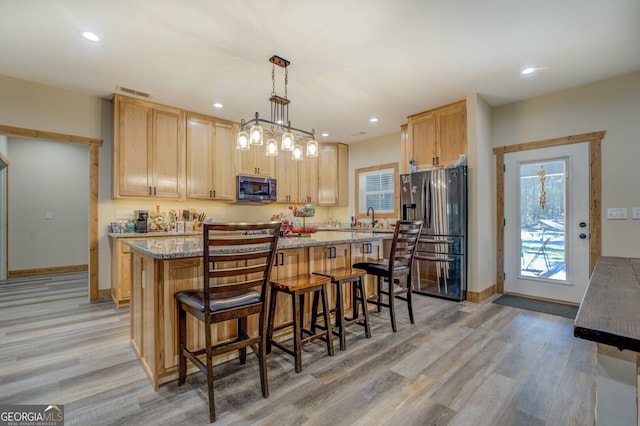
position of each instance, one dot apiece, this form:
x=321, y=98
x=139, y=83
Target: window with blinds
x=377, y=191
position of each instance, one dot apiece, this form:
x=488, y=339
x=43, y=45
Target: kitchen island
x=609, y=316
x=162, y=267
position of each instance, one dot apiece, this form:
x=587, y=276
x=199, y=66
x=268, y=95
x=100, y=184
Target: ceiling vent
x=355, y=135
x=133, y=92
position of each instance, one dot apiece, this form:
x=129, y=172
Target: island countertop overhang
x=191, y=246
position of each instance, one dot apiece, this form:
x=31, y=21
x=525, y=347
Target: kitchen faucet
x=373, y=216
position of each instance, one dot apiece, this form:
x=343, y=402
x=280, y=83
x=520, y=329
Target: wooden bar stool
x=339, y=277
x=297, y=287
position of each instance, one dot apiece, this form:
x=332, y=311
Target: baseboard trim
x=20, y=273
x=477, y=297
x=104, y=294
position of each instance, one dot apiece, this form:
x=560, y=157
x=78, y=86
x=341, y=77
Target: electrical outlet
x=617, y=213
x=123, y=214
x=635, y=212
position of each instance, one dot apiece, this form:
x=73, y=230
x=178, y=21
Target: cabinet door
x=133, y=159
x=167, y=153
x=255, y=161
x=343, y=175
x=422, y=139
x=287, y=179
x=368, y=252
x=224, y=172
x=308, y=180
x=452, y=134
x=328, y=175
x=200, y=141
x=289, y=263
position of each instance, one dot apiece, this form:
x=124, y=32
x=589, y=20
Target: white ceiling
x=350, y=59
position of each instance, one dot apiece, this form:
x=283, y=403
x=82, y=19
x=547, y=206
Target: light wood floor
x=460, y=364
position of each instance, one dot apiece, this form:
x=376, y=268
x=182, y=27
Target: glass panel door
x=542, y=219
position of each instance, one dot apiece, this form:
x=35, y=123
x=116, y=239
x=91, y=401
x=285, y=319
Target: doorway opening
x=94, y=147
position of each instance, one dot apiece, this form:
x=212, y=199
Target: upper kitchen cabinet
x=333, y=182
x=436, y=137
x=210, y=158
x=297, y=180
x=148, y=149
x=255, y=162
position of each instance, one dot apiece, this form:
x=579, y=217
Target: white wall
x=47, y=177
x=613, y=106
x=481, y=235
x=373, y=152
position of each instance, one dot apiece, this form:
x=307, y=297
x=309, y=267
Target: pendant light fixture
x=279, y=125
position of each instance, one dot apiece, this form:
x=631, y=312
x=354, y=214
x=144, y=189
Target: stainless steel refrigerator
x=439, y=198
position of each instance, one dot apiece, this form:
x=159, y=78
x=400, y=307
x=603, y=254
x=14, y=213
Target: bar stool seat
x=339, y=277
x=297, y=287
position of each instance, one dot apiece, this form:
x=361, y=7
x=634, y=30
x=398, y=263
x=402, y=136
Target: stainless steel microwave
x=254, y=188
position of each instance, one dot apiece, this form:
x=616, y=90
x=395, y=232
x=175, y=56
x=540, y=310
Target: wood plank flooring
x=460, y=364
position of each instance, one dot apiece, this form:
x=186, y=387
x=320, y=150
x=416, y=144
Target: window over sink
x=377, y=187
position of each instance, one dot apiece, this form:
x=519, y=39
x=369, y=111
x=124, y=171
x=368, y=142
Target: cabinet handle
x=214, y=193
x=150, y=191
x=281, y=258
x=210, y=194
x=154, y=190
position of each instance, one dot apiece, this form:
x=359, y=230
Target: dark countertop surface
x=610, y=310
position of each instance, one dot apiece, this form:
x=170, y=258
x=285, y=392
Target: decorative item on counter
x=130, y=225
x=412, y=165
x=158, y=223
x=303, y=211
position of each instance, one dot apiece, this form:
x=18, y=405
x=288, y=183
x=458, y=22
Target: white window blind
x=377, y=191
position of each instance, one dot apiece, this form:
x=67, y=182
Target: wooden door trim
x=94, y=160
x=595, y=178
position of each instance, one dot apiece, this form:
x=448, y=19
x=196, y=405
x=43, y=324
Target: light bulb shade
x=256, y=134
x=272, y=148
x=242, y=141
x=287, y=142
x=296, y=154
x=312, y=148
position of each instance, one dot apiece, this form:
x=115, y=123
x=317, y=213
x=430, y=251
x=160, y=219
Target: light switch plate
x=617, y=213
x=635, y=212
x=124, y=214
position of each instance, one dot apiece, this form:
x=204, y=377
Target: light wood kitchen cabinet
x=120, y=272
x=324, y=259
x=333, y=180
x=297, y=180
x=368, y=252
x=148, y=149
x=436, y=137
x=210, y=159
x=255, y=162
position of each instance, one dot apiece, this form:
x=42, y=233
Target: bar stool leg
x=409, y=299
x=340, y=316
x=392, y=305
x=359, y=285
x=327, y=320
x=297, y=331
x=272, y=310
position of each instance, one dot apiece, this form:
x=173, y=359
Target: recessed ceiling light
x=217, y=105
x=325, y=134
x=373, y=120
x=90, y=36
x=527, y=70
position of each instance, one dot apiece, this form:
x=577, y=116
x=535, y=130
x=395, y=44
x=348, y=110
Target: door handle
x=582, y=224
x=583, y=236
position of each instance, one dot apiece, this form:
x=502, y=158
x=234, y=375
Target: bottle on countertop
x=412, y=165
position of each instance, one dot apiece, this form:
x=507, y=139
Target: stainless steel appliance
x=254, y=188
x=439, y=198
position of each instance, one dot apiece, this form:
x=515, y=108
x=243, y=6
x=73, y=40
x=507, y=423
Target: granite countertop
x=609, y=311
x=152, y=234
x=186, y=246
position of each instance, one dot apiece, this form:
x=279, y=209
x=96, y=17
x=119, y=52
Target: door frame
x=94, y=148
x=595, y=174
